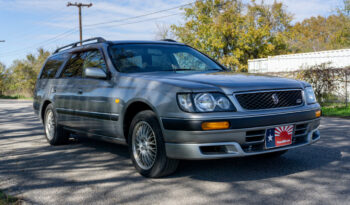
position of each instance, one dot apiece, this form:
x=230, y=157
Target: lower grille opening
x=298, y=132
x=221, y=149
x=255, y=132
x=254, y=139
x=315, y=135
x=300, y=140
x=253, y=148
x=301, y=126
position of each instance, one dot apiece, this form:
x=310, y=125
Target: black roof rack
x=169, y=40
x=72, y=45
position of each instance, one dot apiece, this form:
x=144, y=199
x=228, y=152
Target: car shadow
x=238, y=169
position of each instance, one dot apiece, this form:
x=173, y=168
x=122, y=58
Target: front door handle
x=80, y=91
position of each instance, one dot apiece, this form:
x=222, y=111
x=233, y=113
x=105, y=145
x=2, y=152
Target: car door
x=95, y=97
x=67, y=97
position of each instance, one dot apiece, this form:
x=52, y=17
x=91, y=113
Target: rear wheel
x=146, y=146
x=55, y=134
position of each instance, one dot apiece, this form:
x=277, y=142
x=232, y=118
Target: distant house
x=293, y=62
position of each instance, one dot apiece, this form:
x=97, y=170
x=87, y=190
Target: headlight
x=204, y=102
x=310, y=95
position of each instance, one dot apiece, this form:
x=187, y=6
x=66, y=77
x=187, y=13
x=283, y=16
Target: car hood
x=228, y=81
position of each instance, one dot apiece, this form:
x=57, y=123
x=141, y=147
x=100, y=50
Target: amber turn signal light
x=318, y=113
x=215, y=125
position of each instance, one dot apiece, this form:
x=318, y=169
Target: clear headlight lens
x=185, y=102
x=204, y=102
x=310, y=95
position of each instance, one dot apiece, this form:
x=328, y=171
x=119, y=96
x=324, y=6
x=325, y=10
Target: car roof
x=145, y=42
x=165, y=41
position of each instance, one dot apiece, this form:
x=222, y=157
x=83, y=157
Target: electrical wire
x=97, y=25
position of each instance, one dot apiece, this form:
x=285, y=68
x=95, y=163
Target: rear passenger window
x=52, y=65
x=74, y=67
x=94, y=59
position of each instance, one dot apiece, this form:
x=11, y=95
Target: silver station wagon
x=168, y=101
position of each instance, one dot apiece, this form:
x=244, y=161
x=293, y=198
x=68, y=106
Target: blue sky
x=29, y=24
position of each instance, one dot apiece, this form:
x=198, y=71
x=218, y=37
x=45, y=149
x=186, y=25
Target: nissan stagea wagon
x=168, y=101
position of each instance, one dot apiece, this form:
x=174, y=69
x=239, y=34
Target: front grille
x=270, y=99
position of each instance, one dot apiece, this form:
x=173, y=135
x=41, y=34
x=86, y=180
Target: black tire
x=59, y=135
x=162, y=165
x=274, y=154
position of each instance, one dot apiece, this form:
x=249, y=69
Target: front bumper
x=234, y=142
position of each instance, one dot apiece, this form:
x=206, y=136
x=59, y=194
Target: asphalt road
x=93, y=172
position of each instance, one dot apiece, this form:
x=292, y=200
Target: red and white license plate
x=279, y=136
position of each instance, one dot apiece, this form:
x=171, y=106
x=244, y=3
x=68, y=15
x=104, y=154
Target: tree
x=2, y=78
x=22, y=74
x=163, y=32
x=233, y=32
x=346, y=8
x=321, y=33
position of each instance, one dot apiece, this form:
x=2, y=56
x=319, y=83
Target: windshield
x=132, y=58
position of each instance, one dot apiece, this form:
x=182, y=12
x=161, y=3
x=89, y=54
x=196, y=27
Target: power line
x=103, y=23
x=134, y=22
x=40, y=44
x=143, y=15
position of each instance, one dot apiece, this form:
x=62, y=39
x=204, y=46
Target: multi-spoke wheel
x=147, y=147
x=144, y=145
x=55, y=134
x=50, y=125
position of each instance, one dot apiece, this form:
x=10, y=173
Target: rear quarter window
x=52, y=65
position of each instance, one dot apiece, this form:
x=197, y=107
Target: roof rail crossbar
x=169, y=40
x=72, y=45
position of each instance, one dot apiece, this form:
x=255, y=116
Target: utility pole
x=79, y=5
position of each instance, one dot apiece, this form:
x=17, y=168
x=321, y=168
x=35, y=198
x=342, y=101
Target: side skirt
x=99, y=137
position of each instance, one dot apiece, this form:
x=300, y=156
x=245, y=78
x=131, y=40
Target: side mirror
x=94, y=73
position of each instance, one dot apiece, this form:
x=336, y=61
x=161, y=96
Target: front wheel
x=146, y=146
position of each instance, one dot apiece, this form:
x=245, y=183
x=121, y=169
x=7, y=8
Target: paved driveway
x=93, y=172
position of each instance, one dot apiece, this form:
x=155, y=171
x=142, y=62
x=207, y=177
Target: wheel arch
x=43, y=109
x=131, y=111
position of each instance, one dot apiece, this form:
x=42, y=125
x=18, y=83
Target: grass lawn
x=18, y=97
x=7, y=200
x=336, y=110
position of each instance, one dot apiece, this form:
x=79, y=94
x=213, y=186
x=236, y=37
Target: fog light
x=215, y=125
x=318, y=113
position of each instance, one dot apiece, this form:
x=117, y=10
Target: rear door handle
x=80, y=91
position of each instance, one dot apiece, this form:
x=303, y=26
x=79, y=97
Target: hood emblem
x=275, y=99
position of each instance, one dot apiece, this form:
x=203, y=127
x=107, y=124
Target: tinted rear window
x=52, y=65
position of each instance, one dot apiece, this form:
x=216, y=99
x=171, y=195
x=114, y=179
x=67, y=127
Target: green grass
x=17, y=97
x=7, y=200
x=336, y=110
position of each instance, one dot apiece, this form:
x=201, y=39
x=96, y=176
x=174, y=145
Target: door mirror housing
x=97, y=73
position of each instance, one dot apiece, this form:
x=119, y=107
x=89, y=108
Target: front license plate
x=279, y=136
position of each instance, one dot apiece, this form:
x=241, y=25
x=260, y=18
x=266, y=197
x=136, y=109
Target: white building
x=292, y=62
